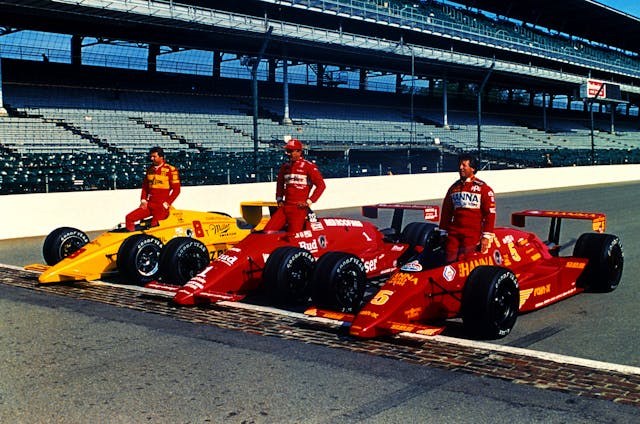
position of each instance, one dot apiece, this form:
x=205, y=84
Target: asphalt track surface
x=114, y=354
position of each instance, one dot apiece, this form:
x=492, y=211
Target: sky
x=632, y=7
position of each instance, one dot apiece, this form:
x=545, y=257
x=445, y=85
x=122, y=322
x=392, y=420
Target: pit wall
x=30, y=215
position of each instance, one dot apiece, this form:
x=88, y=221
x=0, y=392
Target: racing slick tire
x=606, y=259
x=339, y=282
x=138, y=258
x=490, y=302
x=181, y=259
x=287, y=274
x=61, y=243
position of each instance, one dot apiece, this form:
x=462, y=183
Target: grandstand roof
x=582, y=18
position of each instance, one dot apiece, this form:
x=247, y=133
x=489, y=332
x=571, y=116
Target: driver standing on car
x=160, y=187
x=299, y=184
x=468, y=212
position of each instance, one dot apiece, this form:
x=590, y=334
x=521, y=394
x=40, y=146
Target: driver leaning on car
x=160, y=187
x=468, y=212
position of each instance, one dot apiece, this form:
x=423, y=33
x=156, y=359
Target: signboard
x=592, y=87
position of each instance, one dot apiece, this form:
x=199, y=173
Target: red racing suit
x=293, y=189
x=161, y=184
x=468, y=214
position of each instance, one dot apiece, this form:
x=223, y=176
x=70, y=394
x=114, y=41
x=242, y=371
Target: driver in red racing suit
x=468, y=212
x=294, y=195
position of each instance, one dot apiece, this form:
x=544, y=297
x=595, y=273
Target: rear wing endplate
x=252, y=211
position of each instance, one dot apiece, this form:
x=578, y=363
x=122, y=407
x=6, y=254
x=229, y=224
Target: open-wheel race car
x=175, y=250
x=283, y=265
x=520, y=273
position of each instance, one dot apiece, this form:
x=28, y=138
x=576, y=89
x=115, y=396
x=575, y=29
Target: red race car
x=520, y=273
x=283, y=265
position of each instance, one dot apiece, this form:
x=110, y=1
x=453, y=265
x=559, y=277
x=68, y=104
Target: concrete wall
x=26, y=215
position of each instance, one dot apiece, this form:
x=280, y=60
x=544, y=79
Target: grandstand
x=365, y=104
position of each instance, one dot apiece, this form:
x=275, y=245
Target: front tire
x=61, y=243
x=138, y=258
x=490, y=302
x=287, y=274
x=339, y=282
x=606, y=260
x=181, y=259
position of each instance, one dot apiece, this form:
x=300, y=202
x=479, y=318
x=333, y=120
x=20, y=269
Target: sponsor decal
x=507, y=239
x=234, y=249
x=576, y=265
x=449, y=273
x=497, y=257
x=397, y=248
x=431, y=213
x=408, y=328
x=524, y=296
x=536, y=257
x=339, y=222
x=304, y=234
x=316, y=226
x=412, y=266
x=556, y=297
x=368, y=313
x=227, y=259
x=464, y=199
x=465, y=268
x=189, y=232
x=178, y=231
x=401, y=278
x=311, y=246
x=219, y=229
x=76, y=253
x=371, y=265
x=413, y=313
x=322, y=241
x=542, y=290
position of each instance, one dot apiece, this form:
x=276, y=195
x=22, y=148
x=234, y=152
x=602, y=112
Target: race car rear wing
x=253, y=211
x=598, y=220
x=430, y=212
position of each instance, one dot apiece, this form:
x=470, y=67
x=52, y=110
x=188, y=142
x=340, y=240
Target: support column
x=152, y=57
x=363, y=80
x=217, y=62
x=76, y=50
x=286, y=120
x=3, y=111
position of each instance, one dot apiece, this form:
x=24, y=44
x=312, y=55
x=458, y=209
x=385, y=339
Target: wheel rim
x=298, y=277
x=70, y=246
x=147, y=261
x=348, y=288
x=504, y=306
x=190, y=264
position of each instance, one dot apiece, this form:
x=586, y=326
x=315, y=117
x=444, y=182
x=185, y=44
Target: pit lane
x=602, y=327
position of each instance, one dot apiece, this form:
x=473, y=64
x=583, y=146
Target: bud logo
x=311, y=246
x=226, y=259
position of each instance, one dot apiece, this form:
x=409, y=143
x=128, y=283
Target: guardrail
x=30, y=215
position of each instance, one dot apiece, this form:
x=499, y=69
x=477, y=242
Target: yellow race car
x=174, y=251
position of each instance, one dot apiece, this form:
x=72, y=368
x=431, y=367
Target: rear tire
x=339, y=282
x=138, y=258
x=490, y=302
x=606, y=260
x=181, y=259
x=287, y=274
x=61, y=243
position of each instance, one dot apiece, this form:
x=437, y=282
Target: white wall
x=26, y=215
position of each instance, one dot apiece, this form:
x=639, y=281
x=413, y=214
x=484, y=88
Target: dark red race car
x=520, y=273
x=283, y=265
